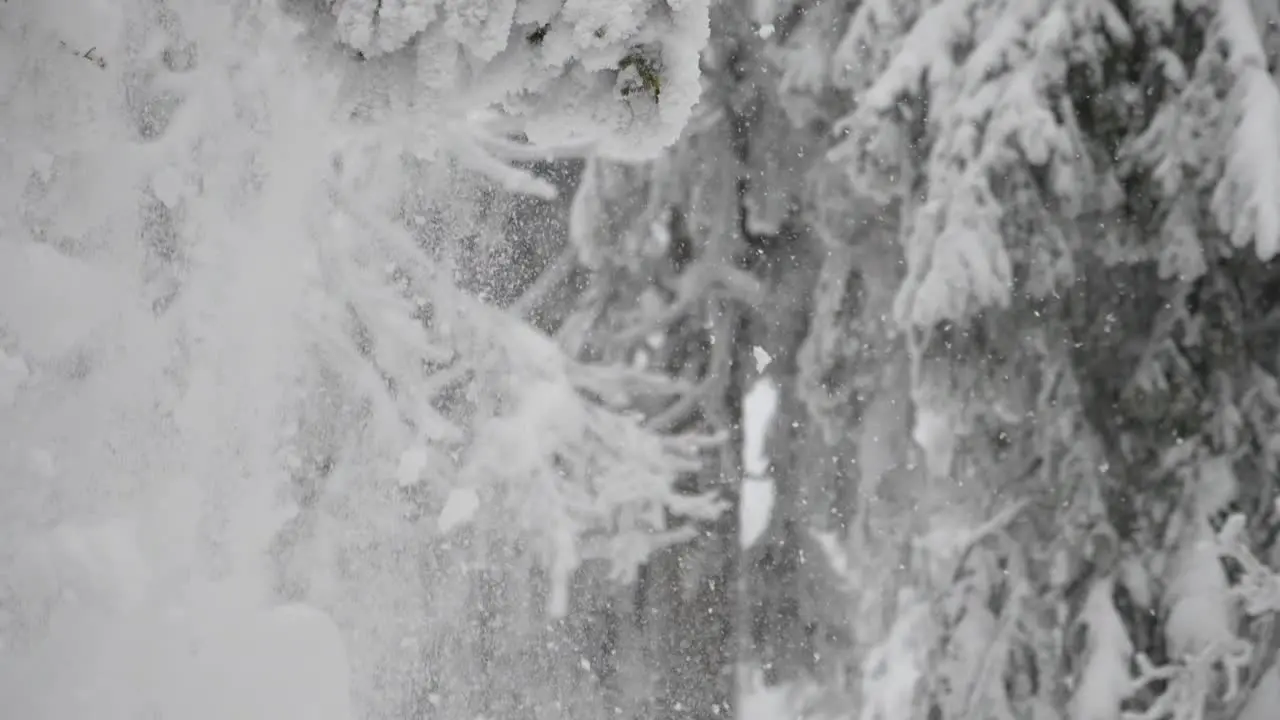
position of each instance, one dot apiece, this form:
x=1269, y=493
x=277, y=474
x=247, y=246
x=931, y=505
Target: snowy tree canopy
x=236, y=363
x=1029, y=248
x=1009, y=265
x=622, y=76
x=1080, y=204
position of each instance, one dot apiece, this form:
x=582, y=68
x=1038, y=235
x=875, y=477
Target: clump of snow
x=13, y=374
x=109, y=555
x=168, y=187
x=758, y=491
x=164, y=419
x=894, y=669
x=756, y=507
x=173, y=420
x=762, y=358
x=1106, y=681
x=1265, y=697
x=1247, y=200
x=1201, y=609
x=937, y=429
x=758, y=408
x=412, y=462
x=1200, y=612
x=41, y=461
x=459, y=509
x=551, y=67
x=760, y=701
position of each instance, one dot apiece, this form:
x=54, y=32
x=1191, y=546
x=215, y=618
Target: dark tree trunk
x=796, y=613
x=686, y=602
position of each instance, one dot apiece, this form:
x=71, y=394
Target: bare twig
x=90, y=55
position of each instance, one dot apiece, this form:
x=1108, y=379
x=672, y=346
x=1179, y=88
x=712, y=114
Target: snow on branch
x=1204, y=651
x=621, y=74
x=951, y=137
x=1105, y=681
x=580, y=477
x=1188, y=685
x=552, y=456
x=1259, y=586
x=894, y=669
x=1247, y=199
x=482, y=143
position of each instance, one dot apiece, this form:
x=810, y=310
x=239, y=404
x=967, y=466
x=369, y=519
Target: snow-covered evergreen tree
x=1011, y=263
x=1042, y=234
x=285, y=368
x=1067, y=190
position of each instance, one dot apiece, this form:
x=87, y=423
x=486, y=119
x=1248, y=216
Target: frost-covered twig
x=700, y=281
x=620, y=385
x=90, y=55
x=1258, y=586
x=1188, y=684
x=558, y=73
x=995, y=653
x=972, y=538
x=555, y=444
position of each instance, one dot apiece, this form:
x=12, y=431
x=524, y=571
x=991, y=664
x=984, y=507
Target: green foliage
x=647, y=69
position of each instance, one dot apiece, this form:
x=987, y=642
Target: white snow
x=41, y=462
x=459, y=509
x=167, y=185
x=761, y=357
x=42, y=165
x=757, y=506
x=255, y=664
x=758, y=407
x=110, y=651
x=412, y=462
x=149, y=443
x=934, y=431
x=13, y=374
x=757, y=701
x=1265, y=698
x=757, y=497
x=1106, y=680
x=157, y=368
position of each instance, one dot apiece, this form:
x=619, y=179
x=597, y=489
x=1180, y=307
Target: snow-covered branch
x=566, y=73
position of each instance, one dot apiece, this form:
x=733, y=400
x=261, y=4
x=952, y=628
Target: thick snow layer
x=215, y=663
x=757, y=490
x=757, y=414
x=412, y=462
x=757, y=701
x=757, y=506
x=459, y=509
